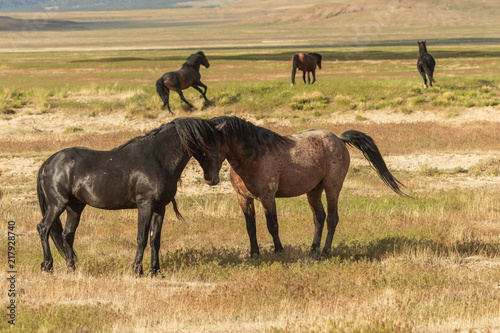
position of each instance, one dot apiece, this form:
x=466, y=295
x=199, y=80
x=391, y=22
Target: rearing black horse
x=187, y=76
x=425, y=63
x=142, y=173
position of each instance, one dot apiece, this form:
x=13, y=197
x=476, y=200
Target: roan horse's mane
x=194, y=134
x=257, y=139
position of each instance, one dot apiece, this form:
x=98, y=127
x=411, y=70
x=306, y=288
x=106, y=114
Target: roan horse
x=142, y=173
x=425, y=63
x=187, y=76
x=266, y=165
x=306, y=63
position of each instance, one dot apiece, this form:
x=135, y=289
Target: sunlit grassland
x=430, y=263
x=425, y=263
x=249, y=81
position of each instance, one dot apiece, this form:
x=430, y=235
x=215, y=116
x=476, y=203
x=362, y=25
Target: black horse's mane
x=195, y=134
x=194, y=59
x=257, y=139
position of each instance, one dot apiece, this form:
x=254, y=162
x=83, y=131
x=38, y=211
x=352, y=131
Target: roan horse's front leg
x=272, y=222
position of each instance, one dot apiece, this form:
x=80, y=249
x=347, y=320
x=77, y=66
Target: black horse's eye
x=204, y=154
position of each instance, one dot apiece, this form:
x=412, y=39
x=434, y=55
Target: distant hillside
x=87, y=5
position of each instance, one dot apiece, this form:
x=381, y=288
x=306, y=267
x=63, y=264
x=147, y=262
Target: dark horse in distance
x=266, y=165
x=425, y=64
x=140, y=174
x=307, y=64
x=187, y=76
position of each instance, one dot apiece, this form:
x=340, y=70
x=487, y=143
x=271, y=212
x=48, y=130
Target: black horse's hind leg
x=72, y=221
x=309, y=77
x=272, y=222
x=43, y=230
x=167, y=101
x=144, y=222
x=248, y=207
x=332, y=197
x=422, y=73
x=304, y=76
x=314, y=198
x=155, y=239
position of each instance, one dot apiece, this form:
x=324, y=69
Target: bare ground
x=28, y=124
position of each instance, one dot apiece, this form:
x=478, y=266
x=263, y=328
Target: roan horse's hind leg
x=74, y=212
x=332, y=198
x=314, y=198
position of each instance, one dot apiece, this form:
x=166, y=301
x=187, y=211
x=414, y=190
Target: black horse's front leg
x=143, y=226
x=203, y=93
x=156, y=225
x=181, y=95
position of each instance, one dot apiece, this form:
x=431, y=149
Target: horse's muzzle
x=212, y=181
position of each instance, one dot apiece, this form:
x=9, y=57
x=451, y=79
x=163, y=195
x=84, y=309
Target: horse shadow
x=353, y=251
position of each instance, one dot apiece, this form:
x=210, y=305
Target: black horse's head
x=202, y=140
x=203, y=59
x=421, y=46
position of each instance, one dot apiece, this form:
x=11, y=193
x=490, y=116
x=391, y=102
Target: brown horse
x=266, y=165
x=187, y=76
x=306, y=63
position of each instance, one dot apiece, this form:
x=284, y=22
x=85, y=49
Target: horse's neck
x=238, y=157
x=195, y=66
x=170, y=153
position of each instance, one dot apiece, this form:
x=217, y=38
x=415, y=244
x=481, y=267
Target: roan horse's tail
x=56, y=229
x=370, y=150
x=160, y=88
x=295, y=60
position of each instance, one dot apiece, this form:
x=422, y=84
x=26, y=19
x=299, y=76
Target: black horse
x=187, y=76
x=425, y=63
x=142, y=173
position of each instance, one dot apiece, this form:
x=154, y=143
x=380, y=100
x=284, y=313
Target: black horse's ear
x=220, y=126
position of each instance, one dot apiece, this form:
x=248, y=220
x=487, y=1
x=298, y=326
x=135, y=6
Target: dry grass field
x=429, y=263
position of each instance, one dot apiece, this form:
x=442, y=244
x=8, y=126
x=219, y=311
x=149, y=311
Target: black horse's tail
x=177, y=213
x=370, y=150
x=56, y=228
x=160, y=88
x=295, y=60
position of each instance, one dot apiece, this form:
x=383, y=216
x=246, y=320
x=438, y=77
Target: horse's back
x=313, y=155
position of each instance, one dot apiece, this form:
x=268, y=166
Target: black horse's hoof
x=156, y=273
x=254, y=254
x=278, y=249
x=47, y=266
x=137, y=270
